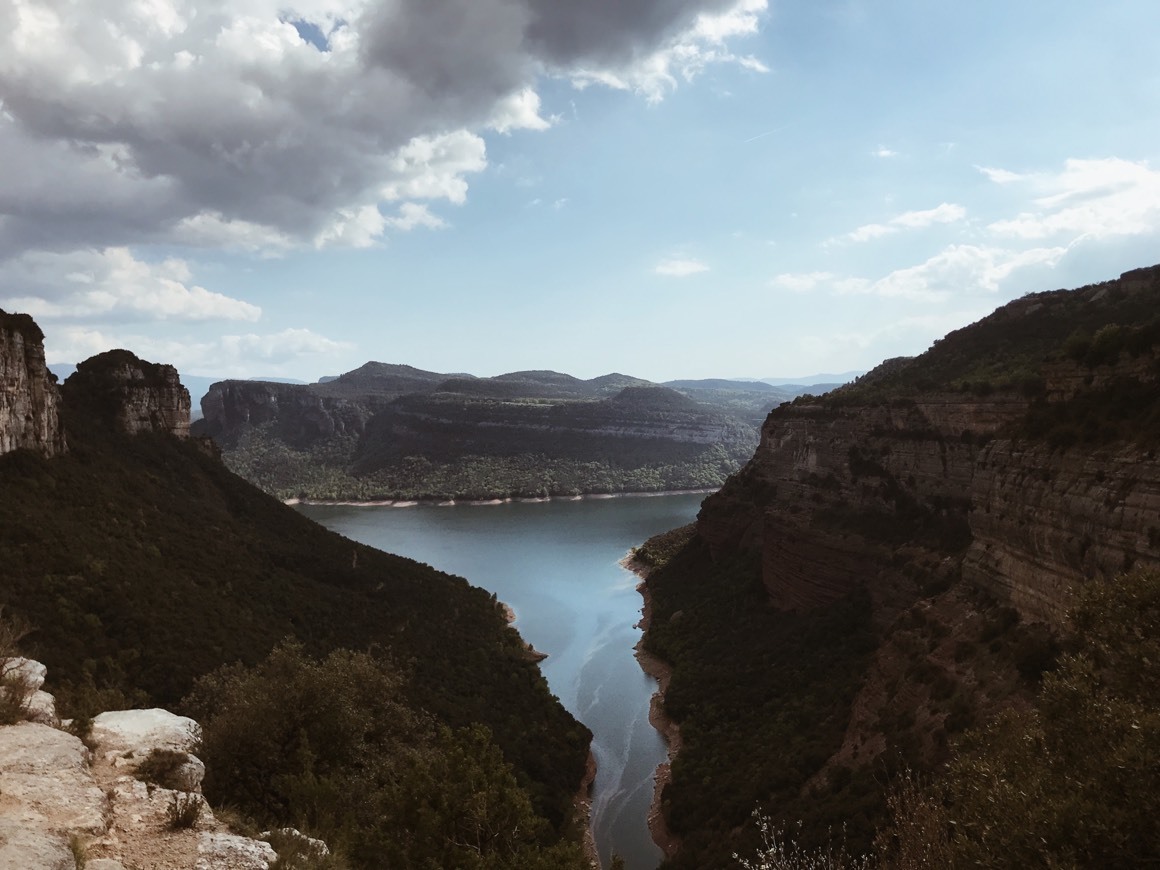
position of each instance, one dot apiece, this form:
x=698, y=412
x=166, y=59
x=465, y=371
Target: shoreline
x=435, y=502
x=662, y=672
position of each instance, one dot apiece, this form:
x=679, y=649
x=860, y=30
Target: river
x=556, y=564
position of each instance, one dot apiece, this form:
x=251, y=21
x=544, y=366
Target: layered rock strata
x=131, y=394
x=29, y=399
x=842, y=489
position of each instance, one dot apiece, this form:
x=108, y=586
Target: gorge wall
x=130, y=394
x=1029, y=487
x=125, y=392
x=29, y=398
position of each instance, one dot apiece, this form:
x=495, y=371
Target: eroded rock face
x=132, y=395
x=301, y=415
x=843, y=491
x=29, y=399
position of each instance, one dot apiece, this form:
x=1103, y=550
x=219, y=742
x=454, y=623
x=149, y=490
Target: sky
x=663, y=188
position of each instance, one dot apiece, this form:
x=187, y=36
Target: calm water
x=555, y=563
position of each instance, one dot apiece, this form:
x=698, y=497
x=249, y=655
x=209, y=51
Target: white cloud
x=686, y=55
x=884, y=152
x=228, y=356
x=1088, y=199
x=519, y=111
x=944, y=213
x=958, y=270
x=133, y=122
x=413, y=214
x=678, y=267
x=1000, y=176
x=114, y=285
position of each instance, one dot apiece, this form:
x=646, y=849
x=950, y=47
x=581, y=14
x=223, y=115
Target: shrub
x=163, y=767
x=183, y=811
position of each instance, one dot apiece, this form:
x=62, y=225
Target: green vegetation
x=1071, y=782
x=530, y=434
x=333, y=746
x=184, y=810
x=145, y=565
x=1068, y=782
x=323, y=471
x=162, y=767
x=14, y=689
x=1006, y=349
x=762, y=698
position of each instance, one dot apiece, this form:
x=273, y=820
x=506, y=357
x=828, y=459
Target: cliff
x=129, y=394
x=29, y=399
x=894, y=563
x=921, y=455
x=385, y=431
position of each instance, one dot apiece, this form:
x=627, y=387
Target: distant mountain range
x=389, y=431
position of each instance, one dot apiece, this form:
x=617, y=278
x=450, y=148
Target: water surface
x=556, y=564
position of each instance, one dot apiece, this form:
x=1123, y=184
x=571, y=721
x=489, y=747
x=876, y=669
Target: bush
x=163, y=767
x=330, y=747
x=183, y=811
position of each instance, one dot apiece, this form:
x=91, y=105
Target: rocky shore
x=662, y=672
x=402, y=503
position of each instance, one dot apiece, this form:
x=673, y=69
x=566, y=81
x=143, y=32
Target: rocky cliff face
x=841, y=490
x=299, y=415
x=29, y=399
x=130, y=394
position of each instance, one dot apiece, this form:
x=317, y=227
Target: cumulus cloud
x=945, y=213
x=114, y=285
x=957, y=270
x=1087, y=199
x=686, y=53
x=263, y=124
x=227, y=356
x=680, y=267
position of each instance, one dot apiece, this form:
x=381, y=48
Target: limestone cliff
x=29, y=399
x=396, y=432
x=298, y=414
x=1033, y=481
x=131, y=395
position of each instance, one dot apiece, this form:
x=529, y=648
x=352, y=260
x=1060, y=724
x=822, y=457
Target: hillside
x=144, y=564
x=895, y=562
x=394, y=432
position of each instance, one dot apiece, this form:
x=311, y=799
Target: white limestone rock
x=126, y=737
x=138, y=731
x=309, y=847
x=28, y=671
x=46, y=788
x=231, y=852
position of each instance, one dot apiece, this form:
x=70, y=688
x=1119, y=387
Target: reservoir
x=556, y=564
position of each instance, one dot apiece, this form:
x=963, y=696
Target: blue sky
x=665, y=188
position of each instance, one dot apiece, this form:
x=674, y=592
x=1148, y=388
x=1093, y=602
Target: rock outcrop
x=130, y=394
x=299, y=415
x=63, y=801
x=29, y=399
x=999, y=478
